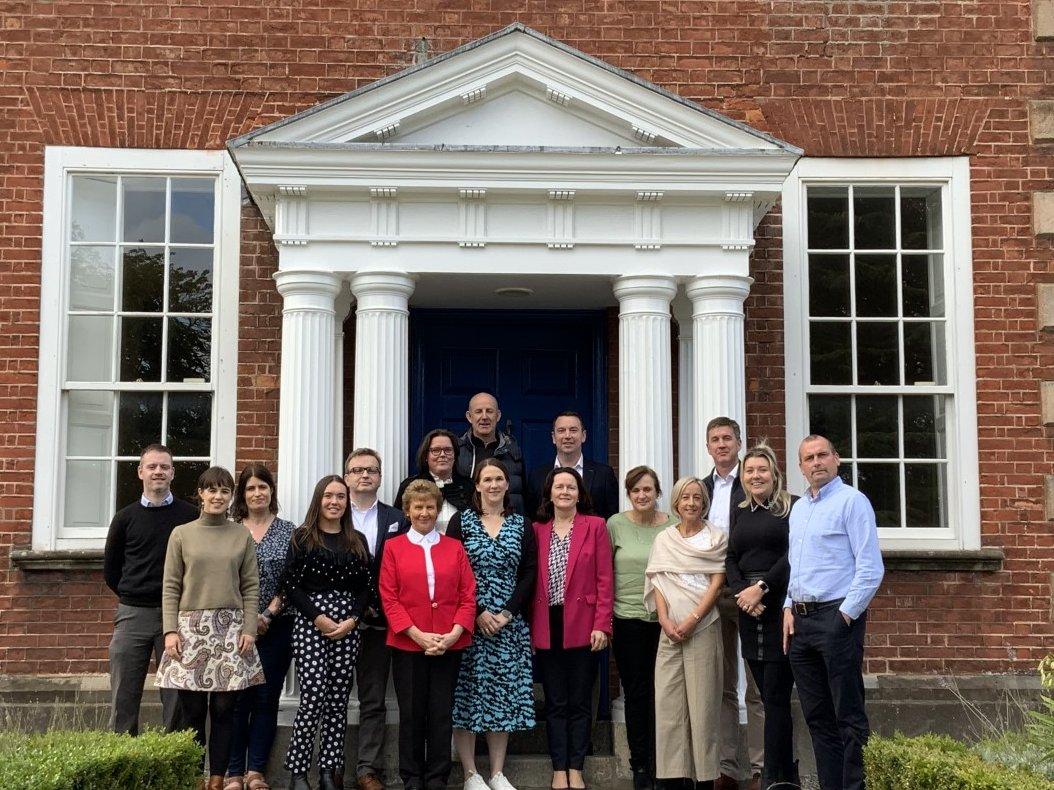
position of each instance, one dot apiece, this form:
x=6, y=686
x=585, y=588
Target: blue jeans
x=256, y=717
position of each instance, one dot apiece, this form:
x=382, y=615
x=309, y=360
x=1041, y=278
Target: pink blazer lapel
x=542, y=537
x=578, y=540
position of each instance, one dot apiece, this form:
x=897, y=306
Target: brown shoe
x=215, y=783
x=726, y=782
x=754, y=783
x=369, y=782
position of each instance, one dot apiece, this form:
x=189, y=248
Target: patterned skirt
x=210, y=660
x=495, y=689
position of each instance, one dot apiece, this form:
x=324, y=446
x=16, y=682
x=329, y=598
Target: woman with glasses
x=437, y=463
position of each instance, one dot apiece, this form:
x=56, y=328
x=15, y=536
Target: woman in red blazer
x=429, y=597
x=571, y=617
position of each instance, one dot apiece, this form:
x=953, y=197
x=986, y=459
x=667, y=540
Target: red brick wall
x=838, y=78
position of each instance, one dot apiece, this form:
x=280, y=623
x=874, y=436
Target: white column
x=719, y=363
x=682, y=311
x=382, y=361
x=307, y=410
x=342, y=309
x=645, y=375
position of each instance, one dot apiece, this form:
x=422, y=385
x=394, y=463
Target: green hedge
x=935, y=762
x=99, y=761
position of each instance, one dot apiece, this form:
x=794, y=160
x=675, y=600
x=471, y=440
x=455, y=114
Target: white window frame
x=953, y=176
x=60, y=163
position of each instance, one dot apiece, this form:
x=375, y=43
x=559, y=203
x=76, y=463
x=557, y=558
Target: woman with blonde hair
x=685, y=573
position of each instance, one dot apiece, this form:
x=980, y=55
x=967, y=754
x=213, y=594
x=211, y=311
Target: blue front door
x=537, y=364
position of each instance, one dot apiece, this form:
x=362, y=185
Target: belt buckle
x=801, y=609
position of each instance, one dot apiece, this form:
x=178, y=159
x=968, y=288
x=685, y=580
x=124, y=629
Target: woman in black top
x=757, y=571
x=328, y=579
x=436, y=463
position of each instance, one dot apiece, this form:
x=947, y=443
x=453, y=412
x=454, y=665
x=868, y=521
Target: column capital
x=641, y=294
x=307, y=289
x=382, y=290
x=713, y=294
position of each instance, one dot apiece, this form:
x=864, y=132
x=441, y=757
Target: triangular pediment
x=519, y=89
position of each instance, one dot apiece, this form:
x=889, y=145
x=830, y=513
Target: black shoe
x=642, y=779
x=327, y=780
x=300, y=782
x=707, y=785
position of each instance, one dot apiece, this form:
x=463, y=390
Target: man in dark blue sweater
x=133, y=565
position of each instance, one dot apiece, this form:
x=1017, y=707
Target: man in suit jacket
x=569, y=434
x=377, y=522
x=723, y=443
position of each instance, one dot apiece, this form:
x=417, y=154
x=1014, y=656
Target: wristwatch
x=762, y=586
x=506, y=614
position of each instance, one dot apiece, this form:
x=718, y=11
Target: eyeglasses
x=364, y=470
x=437, y=451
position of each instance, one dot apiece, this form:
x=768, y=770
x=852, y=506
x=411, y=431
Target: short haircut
x=156, y=447
x=215, y=477
x=422, y=489
x=815, y=437
x=724, y=422
x=678, y=489
x=239, y=508
x=574, y=414
x=422, y=450
x=637, y=473
x=363, y=451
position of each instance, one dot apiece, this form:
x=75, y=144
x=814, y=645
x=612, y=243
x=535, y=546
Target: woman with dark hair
x=429, y=596
x=636, y=636
x=437, y=463
x=758, y=570
x=328, y=579
x=208, y=609
x=571, y=617
x=494, y=693
x=256, y=716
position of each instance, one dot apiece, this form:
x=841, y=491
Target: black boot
x=707, y=785
x=326, y=781
x=300, y=782
x=642, y=779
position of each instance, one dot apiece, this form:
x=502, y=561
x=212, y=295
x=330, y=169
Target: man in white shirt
x=723, y=443
x=377, y=522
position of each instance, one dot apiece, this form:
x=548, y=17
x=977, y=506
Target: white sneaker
x=475, y=782
x=499, y=782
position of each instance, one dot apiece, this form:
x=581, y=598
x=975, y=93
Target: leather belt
x=806, y=608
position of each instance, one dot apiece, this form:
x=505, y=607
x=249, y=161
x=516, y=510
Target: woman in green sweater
x=636, y=637
x=209, y=602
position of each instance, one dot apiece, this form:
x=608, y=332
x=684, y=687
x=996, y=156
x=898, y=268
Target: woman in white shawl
x=682, y=582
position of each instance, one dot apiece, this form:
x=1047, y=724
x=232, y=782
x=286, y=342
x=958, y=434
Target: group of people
x=465, y=598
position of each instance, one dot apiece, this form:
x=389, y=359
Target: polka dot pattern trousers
x=325, y=670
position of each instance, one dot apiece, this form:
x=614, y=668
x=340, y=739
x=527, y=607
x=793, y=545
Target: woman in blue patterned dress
x=494, y=694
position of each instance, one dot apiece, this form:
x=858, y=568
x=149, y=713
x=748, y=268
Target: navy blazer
x=599, y=480
x=387, y=516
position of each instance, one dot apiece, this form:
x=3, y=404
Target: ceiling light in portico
x=516, y=292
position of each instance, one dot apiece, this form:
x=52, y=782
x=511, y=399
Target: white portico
x=511, y=158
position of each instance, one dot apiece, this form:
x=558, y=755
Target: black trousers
x=218, y=707
x=775, y=681
x=634, y=644
x=567, y=679
x=424, y=687
x=827, y=658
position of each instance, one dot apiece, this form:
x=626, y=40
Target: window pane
x=189, y=349
x=830, y=352
x=924, y=353
x=87, y=494
x=129, y=486
x=192, y=210
x=144, y=209
x=190, y=423
x=881, y=484
x=926, y=491
x=139, y=421
x=143, y=280
x=89, y=354
x=829, y=416
x=829, y=285
x=923, y=288
x=876, y=286
x=93, y=209
x=828, y=218
x=876, y=353
x=876, y=426
x=185, y=484
x=874, y=218
x=845, y=471
x=920, y=218
x=91, y=278
x=190, y=280
x=89, y=423
x=140, y=349
x=924, y=434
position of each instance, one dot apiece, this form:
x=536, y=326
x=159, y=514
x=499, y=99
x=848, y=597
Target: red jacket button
x=435, y=605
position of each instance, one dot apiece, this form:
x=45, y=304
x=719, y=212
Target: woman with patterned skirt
x=494, y=693
x=209, y=603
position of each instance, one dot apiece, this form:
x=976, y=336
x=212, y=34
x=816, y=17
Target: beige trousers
x=688, y=705
x=726, y=606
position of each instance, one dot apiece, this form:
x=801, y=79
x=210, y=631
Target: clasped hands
x=678, y=632
x=174, y=644
x=436, y=644
x=749, y=600
x=334, y=630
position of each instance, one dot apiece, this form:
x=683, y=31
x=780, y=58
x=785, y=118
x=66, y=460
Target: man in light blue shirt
x=835, y=570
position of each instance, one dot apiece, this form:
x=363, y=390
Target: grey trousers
x=373, y=667
x=726, y=606
x=137, y=635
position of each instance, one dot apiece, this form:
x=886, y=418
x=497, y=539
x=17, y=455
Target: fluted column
x=682, y=311
x=645, y=374
x=307, y=431
x=719, y=356
x=382, y=361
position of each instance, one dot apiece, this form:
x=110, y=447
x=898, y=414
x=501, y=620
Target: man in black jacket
x=484, y=440
x=377, y=522
x=133, y=566
x=569, y=434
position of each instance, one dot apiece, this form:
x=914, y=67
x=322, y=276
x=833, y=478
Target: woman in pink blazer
x=570, y=618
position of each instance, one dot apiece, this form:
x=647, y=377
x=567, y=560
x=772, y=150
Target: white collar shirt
x=365, y=521
x=426, y=542
x=721, y=502
x=578, y=466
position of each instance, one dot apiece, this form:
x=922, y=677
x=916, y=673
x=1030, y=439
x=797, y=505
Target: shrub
x=936, y=762
x=62, y=760
x=1016, y=750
